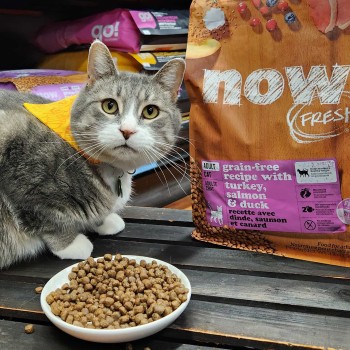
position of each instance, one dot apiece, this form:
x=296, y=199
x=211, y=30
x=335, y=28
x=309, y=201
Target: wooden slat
x=161, y=216
x=160, y=233
x=234, y=324
x=50, y=337
x=317, y=297
x=239, y=298
x=329, y=298
x=222, y=260
x=263, y=328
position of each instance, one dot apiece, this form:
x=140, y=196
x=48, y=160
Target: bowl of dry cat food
x=116, y=298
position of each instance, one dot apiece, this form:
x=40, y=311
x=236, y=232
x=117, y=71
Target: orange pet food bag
x=269, y=126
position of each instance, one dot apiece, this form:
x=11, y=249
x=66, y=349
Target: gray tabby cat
x=49, y=193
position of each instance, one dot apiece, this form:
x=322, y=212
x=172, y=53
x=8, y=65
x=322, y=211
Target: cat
x=51, y=194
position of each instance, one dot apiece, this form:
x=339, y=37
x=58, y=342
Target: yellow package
x=77, y=60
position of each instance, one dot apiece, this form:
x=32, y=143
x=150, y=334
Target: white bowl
x=112, y=335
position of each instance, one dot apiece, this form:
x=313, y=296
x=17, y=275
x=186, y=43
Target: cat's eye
x=110, y=106
x=150, y=112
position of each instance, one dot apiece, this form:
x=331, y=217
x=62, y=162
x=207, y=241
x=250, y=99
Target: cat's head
x=126, y=119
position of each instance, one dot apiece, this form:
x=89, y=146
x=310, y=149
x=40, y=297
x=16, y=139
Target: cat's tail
x=15, y=243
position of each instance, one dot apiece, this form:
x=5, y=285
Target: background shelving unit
x=20, y=20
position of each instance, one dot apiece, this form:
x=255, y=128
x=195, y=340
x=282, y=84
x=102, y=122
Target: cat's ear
x=100, y=62
x=170, y=76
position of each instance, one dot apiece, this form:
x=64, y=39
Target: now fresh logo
x=304, y=91
x=108, y=31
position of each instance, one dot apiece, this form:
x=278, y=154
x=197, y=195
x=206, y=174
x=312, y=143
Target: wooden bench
x=240, y=299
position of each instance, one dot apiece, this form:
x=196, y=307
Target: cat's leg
x=111, y=225
x=15, y=243
x=69, y=246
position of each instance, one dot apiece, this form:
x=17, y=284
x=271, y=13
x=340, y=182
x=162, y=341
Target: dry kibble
x=115, y=292
x=91, y=261
x=29, y=328
x=108, y=257
x=168, y=310
x=77, y=323
x=70, y=319
x=176, y=303
x=38, y=290
x=156, y=317
x=159, y=309
x=124, y=319
x=72, y=275
x=55, y=309
x=50, y=299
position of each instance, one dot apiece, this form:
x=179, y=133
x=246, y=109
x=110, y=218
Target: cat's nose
x=127, y=133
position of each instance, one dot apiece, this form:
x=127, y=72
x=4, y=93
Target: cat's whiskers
x=194, y=164
x=186, y=139
x=157, y=154
x=169, y=150
x=169, y=146
x=179, y=168
x=152, y=160
x=96, y=154
x=77, y=156
x=155, y=160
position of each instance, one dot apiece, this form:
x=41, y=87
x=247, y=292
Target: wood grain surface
x=240, y=299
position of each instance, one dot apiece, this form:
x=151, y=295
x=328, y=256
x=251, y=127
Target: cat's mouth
x=125, y=148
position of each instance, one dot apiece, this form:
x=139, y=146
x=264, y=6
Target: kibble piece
x=124, y=319
x=81, y=273
x=108, y=257
x=55, y=309
x=139, y=309
x=129, y=305
x=50, y=299
x=29, y=328
x=72, y=275
x=168, y=310
x=147, y=283
x=38, y=290
x=108, y=301
x=120, y=276
x=77, y=323
x=64, y=314
x=159, y=309
x=91, y=261
x=70, y=319
x=176, y=303
x=155, y=317
x=73, y=284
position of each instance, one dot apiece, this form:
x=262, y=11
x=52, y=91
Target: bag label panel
x=284, y=195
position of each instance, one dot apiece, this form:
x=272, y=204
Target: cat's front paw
x=80, y=248
x=112, y=224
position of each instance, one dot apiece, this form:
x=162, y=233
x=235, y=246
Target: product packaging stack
x=138, y=40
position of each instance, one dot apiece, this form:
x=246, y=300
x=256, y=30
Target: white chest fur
x=111, y=176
